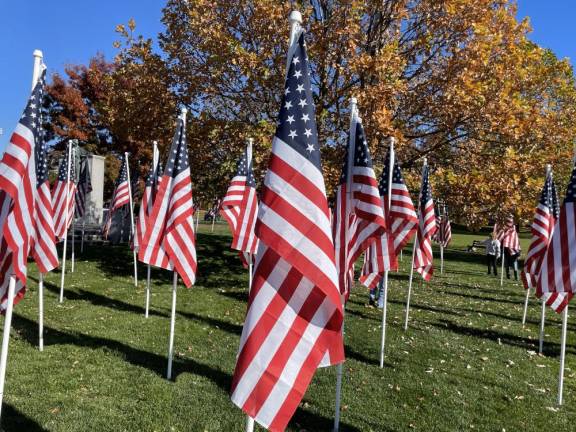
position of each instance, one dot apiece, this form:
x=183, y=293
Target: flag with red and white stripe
x=423, y=260
x=401, y=220
x=294, y=319
x=120, y=196
x=240, y=207
x=558, y=269
x=443, y=234
x=508, y=236
x=169, y=241
x=359, y=216
x=542, y=226
x=147, y=202
x=63, y=192
x=26, y=218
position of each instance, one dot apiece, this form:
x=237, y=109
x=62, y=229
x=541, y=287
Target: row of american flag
x=303, y=252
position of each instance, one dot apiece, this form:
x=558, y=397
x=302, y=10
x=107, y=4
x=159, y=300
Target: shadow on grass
x=551, y=349
x=153, y=362
x=100, y=300
x=15, y=421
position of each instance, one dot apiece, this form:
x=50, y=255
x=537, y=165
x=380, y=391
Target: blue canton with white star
x=361, y=153
x=426, y=193
x=63, y=169
x=123, y=174
x=571, y=190
x=32, y=119
x=178, y=156
x=296, y=121
x=245, y=169
x=397, y=178
x=154, y=174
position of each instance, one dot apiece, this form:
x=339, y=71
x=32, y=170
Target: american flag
x=120, y=196
x=508, y=236
x=294, y=319
x=401, y=219
x=443, y=234
x=557, y=276
x=63, y=192
x=169, y=240
x=359, y=216
x=147, y=202
x=26, y=224
x=426, y=227
x=240, y=206
x=83, y=189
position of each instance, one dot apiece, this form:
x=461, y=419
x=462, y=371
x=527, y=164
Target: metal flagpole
x=73, y=215
x=197, y=218
x=6, y=336
x=73, y=241
x=249, y=420
x=385, y=281
x=542, y=319
x=37, y=54
x=401, y=256
x=131, y=219
x=413, y=257
x=502, y=269
x=562, y=355
x=155, y=157
x=525, y=307
x=354, y=120
x=172, y=324
x=173, y=312
x=66, y=224
x=214, y=210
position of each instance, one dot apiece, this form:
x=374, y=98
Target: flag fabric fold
x=240, y=207
x=423, y=259
x=26, y=214
x=169, y=241
x=557, y=278
x=401, y=220
x=294, y=318
x=359, y=216
x=147, y=202
x=63, y=196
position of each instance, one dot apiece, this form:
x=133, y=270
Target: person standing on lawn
x=492, y=253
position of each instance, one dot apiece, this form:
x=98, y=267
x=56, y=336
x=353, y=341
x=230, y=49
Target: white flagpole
x=502, y=269
x=214, y=214
x=40, y=311
x=562, y=355
x=526, y=299
x=385, y=281
x=414, y=246
x=249, y=420
x=441, y=259
x=62, y=276
x=6, y=336
x=172, y=324
x=155, y=157
x=542, y=319
x=131, y=219
x=73, y=241
x=354, y=119
x=37, y=54
x=401, y=255
x=197, y=219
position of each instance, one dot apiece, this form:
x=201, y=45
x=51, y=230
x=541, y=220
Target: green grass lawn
x=465, y=363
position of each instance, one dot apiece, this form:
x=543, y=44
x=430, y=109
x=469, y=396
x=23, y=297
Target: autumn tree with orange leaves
x=456, y=81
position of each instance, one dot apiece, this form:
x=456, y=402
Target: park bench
x=476, y=244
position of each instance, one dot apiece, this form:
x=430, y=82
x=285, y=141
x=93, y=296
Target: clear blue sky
x=71, y=32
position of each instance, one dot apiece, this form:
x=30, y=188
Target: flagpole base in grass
x=542, y=322
x=172, y=325
x=525, y=312
x=384, y=307
x=41, y=312
x=562, y=356
x=6, y=337
x=147, y=308
x=249, y=424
